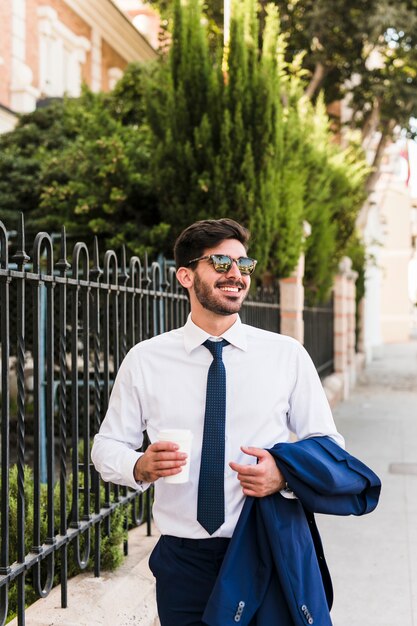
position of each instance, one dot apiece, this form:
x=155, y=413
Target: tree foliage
x=364, y=50
x=332, y=35
x=220, y=149
x=85, y=163
x=254, y=147
x=367, y=48
x=204, y=132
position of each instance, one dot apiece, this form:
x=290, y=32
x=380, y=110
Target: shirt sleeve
x=309, y=413
x=114, y=452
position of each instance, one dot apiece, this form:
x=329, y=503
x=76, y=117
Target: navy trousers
x=185, y=572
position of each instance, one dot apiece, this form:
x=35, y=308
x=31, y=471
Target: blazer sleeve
x=326, y=478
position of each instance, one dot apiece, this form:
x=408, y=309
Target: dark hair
x=195, y=239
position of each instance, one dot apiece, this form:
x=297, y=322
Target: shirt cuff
x=129, y=462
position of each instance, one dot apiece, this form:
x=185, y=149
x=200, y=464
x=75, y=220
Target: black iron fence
x=83, y=318
x=64, y=329
x=261, y=309
x=319, y=336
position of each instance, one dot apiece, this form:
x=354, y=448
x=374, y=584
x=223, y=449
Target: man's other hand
x=262, y=479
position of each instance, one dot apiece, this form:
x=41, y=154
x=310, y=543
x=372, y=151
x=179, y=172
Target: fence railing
x=261, y=309
x=64, y=329
x=83, y=320
x=319, y=336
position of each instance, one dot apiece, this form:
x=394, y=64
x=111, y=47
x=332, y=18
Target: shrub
x=111, y=553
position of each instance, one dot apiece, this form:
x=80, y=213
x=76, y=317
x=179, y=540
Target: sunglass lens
x=221, y=262
x=246, y=265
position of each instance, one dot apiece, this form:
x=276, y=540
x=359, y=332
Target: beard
x=208, y=298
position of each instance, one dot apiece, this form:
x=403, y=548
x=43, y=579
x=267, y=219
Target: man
x=271, y=390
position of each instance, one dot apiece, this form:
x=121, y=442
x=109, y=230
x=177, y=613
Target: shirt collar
x=194, y=336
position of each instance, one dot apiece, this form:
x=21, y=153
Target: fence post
x=344, y=324
x=292, y=297
x=292, y=302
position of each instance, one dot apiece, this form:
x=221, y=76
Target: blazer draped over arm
x=274, y=571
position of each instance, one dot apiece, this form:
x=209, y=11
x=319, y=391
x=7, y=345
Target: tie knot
x=216, y=347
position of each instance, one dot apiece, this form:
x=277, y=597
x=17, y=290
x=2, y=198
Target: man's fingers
x=169, y=464
x=245, y=470
x=250, y=492
x=169, y=472
x=169, y=456
x=251, y=469
x=249, y=484
x=249, y=480
x=160, y=459
x=252, y=451
x=160, y=446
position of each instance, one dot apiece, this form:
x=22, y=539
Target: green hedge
x=111, y=553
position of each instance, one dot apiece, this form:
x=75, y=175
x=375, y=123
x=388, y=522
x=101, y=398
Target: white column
x=372, y=307
x=23, y=95
x=341, y=324
x=19, y=30
x=96, y=65
x=351, y=311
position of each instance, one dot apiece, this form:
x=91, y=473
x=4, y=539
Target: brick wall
x=110, y=58
x=106, y=54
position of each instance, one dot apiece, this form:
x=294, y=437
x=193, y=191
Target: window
x=61, y=56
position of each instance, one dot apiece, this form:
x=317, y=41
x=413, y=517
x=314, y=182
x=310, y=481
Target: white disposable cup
x=183, y=438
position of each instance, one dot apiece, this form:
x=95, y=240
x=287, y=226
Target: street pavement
x=373, y=559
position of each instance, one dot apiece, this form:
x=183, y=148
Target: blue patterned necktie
x=210, y=506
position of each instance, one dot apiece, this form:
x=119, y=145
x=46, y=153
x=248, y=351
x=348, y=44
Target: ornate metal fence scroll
x=63, y=335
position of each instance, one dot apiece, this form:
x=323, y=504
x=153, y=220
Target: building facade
x=387, y=225
x=49, y=48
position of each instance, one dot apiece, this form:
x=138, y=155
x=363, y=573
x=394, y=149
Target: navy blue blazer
x=274, y=571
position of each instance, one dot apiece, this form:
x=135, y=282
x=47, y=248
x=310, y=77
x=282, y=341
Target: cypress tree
x=247, y=144
x=183, y=165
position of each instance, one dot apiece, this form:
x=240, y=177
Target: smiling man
x=238, y=389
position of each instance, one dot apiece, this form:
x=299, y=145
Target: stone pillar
x=292, y=302
x=341, y=324
x=361, y=326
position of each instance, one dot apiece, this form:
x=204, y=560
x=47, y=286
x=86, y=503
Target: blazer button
x=241, y=604
x=237, y=618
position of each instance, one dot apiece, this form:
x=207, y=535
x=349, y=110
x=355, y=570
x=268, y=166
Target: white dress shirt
x=272, y=389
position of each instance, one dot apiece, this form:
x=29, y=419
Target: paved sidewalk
x=373, y=559
x=125, y=597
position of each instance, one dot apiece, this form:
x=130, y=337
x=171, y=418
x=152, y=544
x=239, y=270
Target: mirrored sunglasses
x=223, y=262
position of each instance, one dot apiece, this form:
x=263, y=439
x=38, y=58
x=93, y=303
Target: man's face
x=222, y=294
